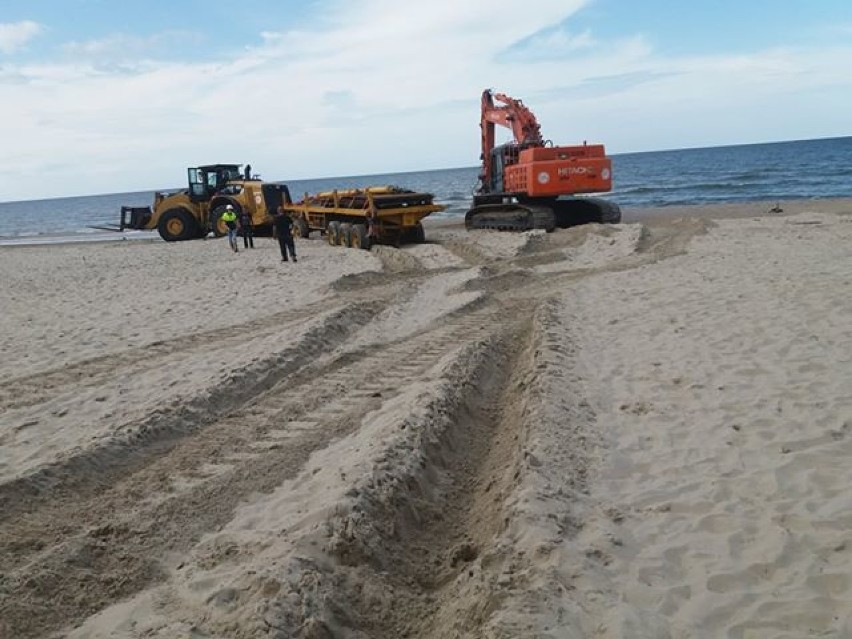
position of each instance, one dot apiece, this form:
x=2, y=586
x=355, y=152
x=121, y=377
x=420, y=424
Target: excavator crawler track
x=585, y=210
x=510, y=217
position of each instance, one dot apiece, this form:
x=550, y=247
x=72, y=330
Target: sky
x=98, y=96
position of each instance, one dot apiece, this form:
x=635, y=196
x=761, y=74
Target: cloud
x=14, y=35
x=130, y=53
x=385, y=86
x=551, y=43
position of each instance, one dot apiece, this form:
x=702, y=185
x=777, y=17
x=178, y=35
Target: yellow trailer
x=360, y=218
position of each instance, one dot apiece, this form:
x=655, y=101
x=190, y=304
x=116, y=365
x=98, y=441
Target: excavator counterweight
x=523, y=184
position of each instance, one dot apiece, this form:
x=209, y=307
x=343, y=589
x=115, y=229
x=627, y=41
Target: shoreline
x=78, y=237
x=630, y=214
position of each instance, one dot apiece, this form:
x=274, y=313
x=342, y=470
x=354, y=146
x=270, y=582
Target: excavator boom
x=511, y=114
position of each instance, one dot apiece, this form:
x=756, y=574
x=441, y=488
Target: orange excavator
x=523, y=184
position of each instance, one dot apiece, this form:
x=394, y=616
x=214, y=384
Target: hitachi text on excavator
x=524, y=183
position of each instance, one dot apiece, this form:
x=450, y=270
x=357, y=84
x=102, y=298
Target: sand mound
x=599, y=247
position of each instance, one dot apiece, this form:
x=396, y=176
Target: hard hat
x=229, y=207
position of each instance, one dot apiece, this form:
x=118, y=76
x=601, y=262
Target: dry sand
x=641, y=430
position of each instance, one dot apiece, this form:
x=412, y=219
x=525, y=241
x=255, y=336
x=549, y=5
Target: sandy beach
x=638, y=431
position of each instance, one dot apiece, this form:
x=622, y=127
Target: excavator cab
x=497, y=163
x=502, y=157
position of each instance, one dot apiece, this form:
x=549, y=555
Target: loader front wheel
x=177, y=225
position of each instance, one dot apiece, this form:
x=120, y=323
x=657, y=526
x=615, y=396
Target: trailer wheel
x=177, y=225
x=344, y=236
x=301, y=228
x=360, y=239
x=332, y=232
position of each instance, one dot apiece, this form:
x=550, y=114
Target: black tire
x=177, y=225
x=301, y=228
x=360, y=239
x=344, y=237
x=332, y=233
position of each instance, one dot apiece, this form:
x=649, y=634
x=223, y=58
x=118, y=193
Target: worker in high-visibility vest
x=230, y=220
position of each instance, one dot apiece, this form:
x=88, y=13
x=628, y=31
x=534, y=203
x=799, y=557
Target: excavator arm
x=512, y=114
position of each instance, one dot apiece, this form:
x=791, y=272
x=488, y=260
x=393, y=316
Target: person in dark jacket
x=246, y=229
x=284, y=232
x=248, y=172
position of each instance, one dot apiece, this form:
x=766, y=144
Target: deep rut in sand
x=68, y=556
x=408, y=579
x=454, y=530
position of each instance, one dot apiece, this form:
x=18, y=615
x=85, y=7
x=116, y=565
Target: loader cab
x=205, y=181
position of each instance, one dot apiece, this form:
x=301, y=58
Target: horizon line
x=434, y=170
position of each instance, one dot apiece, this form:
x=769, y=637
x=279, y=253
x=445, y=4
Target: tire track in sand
x=411, y=550
x=451, y=531
x=40, y=387
x=93, y=468
x=66, y=558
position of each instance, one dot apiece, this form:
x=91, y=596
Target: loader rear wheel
x=332, y=232
x=218, y=227
x=359, y=237
x=177, y=225
x=344, y=236
x=300, y=228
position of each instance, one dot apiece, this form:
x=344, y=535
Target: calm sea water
x=778, y=171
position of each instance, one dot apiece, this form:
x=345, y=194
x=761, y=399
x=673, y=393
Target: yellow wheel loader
x=196, y=211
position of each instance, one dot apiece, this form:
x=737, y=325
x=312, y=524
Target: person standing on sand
x=230, y=220
x=283, y=226
x=246, y=229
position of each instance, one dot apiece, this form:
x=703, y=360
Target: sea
x=727, y=174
